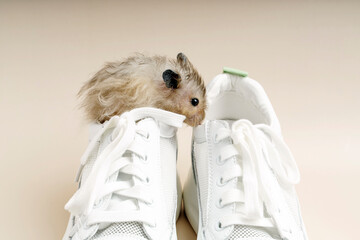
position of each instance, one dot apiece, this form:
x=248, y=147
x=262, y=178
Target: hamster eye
x=194, y=101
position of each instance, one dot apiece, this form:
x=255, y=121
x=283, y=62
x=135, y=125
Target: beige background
x=306, y=54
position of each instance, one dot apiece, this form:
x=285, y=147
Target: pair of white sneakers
x=241, y=185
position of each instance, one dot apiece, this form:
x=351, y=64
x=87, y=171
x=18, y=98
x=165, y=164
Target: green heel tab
x=235, y=72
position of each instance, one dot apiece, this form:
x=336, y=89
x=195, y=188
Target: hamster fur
x=145, y=81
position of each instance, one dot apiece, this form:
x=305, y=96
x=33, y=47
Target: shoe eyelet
x=147, y=137
x=219, y=162
x=216, y=138
x=221, y=182
x=86, y=226
x=219, y=203
x=218, y=226
x=152, y=225
x=150, y=203
x=98, y=203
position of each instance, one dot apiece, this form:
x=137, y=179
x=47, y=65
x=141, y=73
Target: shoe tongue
x=118, y=202
x=166, y=130
x=130, y=229
x=226, y=123
x=221, y=123
x=242, y=231
x=249, y=232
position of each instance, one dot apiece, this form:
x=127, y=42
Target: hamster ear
x=183, y=60
x=171, y=79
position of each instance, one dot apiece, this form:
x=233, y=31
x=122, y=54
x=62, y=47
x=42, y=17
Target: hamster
x=145, y=81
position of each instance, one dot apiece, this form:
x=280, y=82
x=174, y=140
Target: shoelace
x=258, y=146
x=110, y=161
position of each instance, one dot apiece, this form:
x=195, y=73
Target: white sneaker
x=242, y=183
x=128, y=185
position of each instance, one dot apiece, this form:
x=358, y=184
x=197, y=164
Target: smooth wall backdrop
x=306, y=54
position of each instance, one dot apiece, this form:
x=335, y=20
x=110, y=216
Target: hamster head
x=186, y=90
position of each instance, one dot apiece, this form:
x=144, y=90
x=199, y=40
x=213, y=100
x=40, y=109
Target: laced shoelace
x=113, y=160
x=258, y=147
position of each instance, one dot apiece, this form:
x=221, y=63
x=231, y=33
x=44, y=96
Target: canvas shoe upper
x=127, y=179
x=242, y=182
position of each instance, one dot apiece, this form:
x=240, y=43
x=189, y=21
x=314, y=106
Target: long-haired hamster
x=145, y=81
